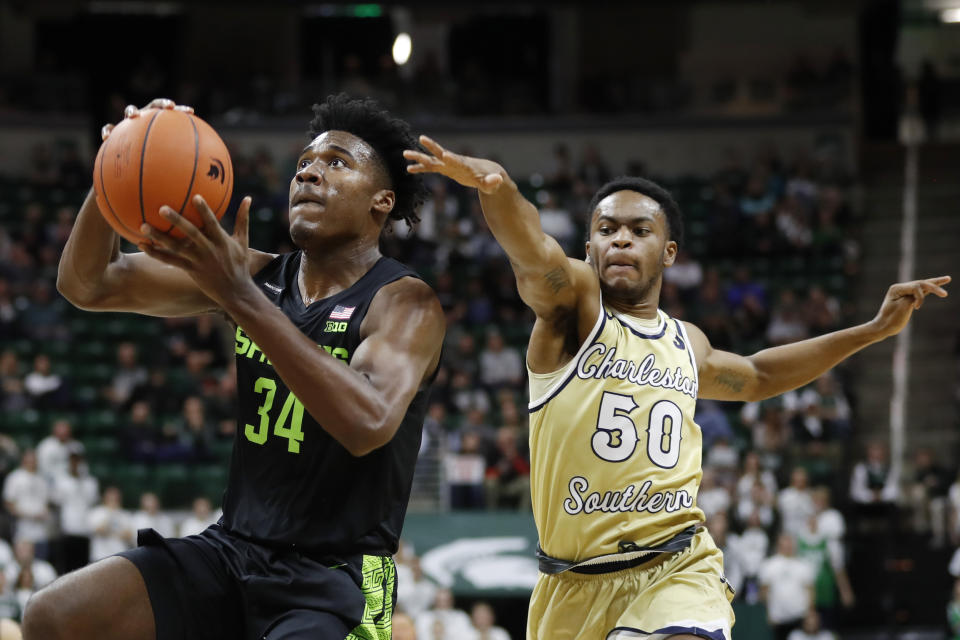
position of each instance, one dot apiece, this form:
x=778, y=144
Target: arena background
x=813, y=147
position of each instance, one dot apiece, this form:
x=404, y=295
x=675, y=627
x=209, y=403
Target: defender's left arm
x=728, y=376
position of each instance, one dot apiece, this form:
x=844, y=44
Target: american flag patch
x=341, y=312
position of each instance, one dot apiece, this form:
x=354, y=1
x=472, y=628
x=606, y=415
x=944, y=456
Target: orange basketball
x=162, y=157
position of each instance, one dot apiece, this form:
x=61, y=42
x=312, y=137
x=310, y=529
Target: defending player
x=615, y=454
x=335, y=346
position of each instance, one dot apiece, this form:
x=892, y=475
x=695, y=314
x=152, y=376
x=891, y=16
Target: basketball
x=162, y=157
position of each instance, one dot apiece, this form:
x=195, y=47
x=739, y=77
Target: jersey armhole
x=543, y=386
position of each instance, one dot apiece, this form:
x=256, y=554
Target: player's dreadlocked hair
x=388, y=136
x=649, y=188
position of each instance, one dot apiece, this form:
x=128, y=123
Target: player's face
x=337, y=185
x=629, y=243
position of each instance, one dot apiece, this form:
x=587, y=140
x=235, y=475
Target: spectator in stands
x=713, y=312
x=465, y=395
x=45, y=388
x=953, y=611
x=793, y=226
x=754, y=474
x=686, y=274
x=454, y=623
x=26, y=497
x=786, y=320
x=156, y=392
x=75, y=493
x=826, y=557
x=201, y=516
x=733, y=570
x=752, y=546
x=713, y=422
x=758, y=198
x=9, y=603
x=556, y=221
x=953, y=515
x=875, y=480
x=484, y=623
x=810, y=629
x=725, y=461
x=795, y=502
x=139, y=436
x=415, y=592
x=500, y=364
x=53, y=452
x=13, y=394
x=593, y=170
x=927, y=496
x=465, y=471
x=128, y=374
x=786, y=584
x=826, y=413
x=712, y=498
x=151, y=517
x=42, y=317
x=28, y=573
x=112, y=529
x=821, y=312
x=830, y=522
x=9, y=314
x=507, y=479
x=403, y=627
x=196, y=431
x=771, y=435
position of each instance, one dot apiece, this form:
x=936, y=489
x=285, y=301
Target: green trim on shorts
x=379, y=585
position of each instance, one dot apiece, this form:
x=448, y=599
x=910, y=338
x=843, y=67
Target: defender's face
x=629, y=243
x=332, y=192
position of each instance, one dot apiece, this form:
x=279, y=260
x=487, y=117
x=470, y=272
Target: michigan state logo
x=216, y=172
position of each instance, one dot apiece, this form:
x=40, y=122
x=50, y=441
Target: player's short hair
x=388, y=136
x=649, y=188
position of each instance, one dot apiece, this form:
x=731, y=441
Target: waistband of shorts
x=630, y=555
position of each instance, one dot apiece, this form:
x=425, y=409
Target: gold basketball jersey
x=615, y=454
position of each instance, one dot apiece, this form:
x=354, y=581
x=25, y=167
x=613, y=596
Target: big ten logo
x=335, y=327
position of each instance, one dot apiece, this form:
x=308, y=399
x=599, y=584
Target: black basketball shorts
x=216, y=586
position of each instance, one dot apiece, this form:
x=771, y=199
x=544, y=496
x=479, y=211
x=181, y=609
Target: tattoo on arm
x=557, y=279
x=729, y=379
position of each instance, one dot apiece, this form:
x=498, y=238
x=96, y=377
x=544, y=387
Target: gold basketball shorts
x=679, y=593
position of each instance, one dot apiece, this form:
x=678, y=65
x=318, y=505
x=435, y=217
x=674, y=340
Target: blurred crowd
x=454, y=83
x=91, y=403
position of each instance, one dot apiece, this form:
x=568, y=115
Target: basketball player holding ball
x=336, y=345
x=614, y=451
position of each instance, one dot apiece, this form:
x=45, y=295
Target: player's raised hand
x=901, y=300
x=484, y=175
x=132, y=111
x=216, y=261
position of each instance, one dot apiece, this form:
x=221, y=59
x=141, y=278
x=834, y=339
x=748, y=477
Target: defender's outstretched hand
x=483, y=175
x=901, y=299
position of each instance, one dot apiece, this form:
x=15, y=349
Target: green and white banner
x=476, y=554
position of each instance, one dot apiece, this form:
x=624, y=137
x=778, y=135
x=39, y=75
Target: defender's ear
x=669, y=253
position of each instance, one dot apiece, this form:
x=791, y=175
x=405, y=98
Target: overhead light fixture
x=402, y=47
x=950, y=15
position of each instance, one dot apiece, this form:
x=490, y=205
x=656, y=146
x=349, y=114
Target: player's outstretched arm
x=95, y=275
x=362, y=405
x=546, y=278
x=727, y=376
